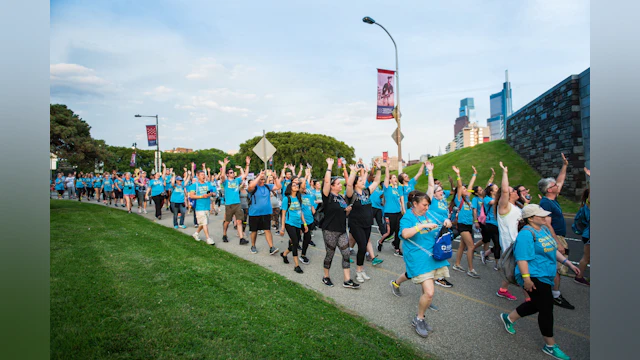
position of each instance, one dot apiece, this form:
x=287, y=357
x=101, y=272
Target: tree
x=70, y=139
x=297, y=148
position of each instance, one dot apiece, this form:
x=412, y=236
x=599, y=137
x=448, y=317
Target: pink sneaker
x=506, y=294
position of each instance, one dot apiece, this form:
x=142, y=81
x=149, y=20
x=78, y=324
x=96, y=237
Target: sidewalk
x=466, y=325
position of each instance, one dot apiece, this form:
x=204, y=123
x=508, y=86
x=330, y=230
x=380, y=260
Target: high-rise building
x=468, y=109
x=460, y=123
x=501, y=109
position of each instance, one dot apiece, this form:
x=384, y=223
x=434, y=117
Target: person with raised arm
x=465, y=222
x=393, y=209
x=408, y=185
x=178, y=200
x=156, y=189
x=201, y=192
x=260, y=210
x=308, y=210
x=585, y=206
x=293, y=221
x=232, y=206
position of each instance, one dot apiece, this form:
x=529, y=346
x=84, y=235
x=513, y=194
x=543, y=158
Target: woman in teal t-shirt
x=465, y=223
x=536, y=254
x=394, y=209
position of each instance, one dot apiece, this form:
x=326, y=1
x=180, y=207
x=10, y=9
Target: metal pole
x=398, y=140
x=264, y=148
x=159, y=159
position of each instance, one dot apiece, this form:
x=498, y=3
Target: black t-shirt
x=361, y=214
x=335, y=216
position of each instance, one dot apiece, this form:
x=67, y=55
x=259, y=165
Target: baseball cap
x=534, y=210
x=179, y=178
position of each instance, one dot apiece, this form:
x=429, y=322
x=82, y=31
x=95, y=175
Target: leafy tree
x=297, y=148
x=71, y=141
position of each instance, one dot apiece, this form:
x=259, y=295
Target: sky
x=219, y=72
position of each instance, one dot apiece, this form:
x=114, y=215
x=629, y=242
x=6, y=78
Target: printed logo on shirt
x=548, y=243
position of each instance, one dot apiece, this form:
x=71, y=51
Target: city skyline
x=235, y=71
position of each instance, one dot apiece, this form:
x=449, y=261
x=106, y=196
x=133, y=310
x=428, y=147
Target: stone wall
x=553, y=124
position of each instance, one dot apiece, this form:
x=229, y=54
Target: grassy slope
x=484, y=157
x=123, y=287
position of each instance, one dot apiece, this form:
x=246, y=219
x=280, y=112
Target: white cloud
x=184, y=107
x=224, y=92
x=208, y=103
x=159, y=90
x=77, y=79
x=269, y=96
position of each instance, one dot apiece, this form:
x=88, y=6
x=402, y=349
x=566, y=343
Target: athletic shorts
x=562, y=241
x=230, y=210
x=202, y=217
x=60, y=192
x=464, y=227
x=260, y=222
x=435, y=274
x=586, y=241
x=130, y=196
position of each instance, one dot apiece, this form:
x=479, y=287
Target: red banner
x=152, y=135
x=385, y=156
x=386, y=94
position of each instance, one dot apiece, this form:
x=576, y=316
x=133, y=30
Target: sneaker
x=350, y=260
x=144, y=211
x=183, y=227
x=195, y=236
x=225, y=238
x=359, y=277
x=483, y=257
x=284, y=258
x=395, y=288
x=195, y=225
x=210, y=241
x=352, y=252
x=365, y=276
x=376, y=261
x=304, y=260
x=508, y=325
x=122, y=205
x=555, y=352
x=350, y=284
x=421, y=327
x=260, y=232
x=298, y=270
x=379, y=246
x=312, y=243
x=244, y=241
x=175, y=227
x=434, y=308
x=444, y=283
x=458, y=268
x=495, y=267
x=398, y=252
x=254, y=250
x=506, y=294
x=273, y=250
x=327, y=281
x=581, y=281
x=139, y=211
x=473, y=274
x=563, y=303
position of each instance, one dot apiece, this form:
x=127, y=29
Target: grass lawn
x=484, y=157
x=123, y=287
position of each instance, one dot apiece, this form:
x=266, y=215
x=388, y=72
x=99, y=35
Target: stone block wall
x=550, y=125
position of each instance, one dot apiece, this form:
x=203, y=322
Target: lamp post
x=158, y=157
x=370, y=21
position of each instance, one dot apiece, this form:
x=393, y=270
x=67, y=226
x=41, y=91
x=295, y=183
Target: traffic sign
x=395, y=136
x=264, y=149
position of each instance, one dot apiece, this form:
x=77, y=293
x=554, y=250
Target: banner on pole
x=386, y=94
x=385, y=156
x=152, y=134
x=133, y=160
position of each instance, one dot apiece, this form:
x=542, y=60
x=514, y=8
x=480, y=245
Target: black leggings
x=157, y=200
x=361, y=235
x=377, y=216
x=394, y=225
x=295, y=237
x=541, y=303
x=494, y=235
x=333, y=240
x=178, y=208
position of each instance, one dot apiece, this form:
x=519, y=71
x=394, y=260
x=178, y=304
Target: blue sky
x=218, y=72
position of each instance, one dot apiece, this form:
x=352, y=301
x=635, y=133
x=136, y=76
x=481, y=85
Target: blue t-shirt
x=108, y=185
x=416, y=260
x=308, y=202
x=490, y=211
x=157, y=187
x=477, y=203
x=540, y=254
x=261, y=200
x=439, y=210
x=292, y=216
x=201, y=189
x=178, y=194
x=406, y=189
x=129, y=187
x=59, y=184
x=285, y=183
x=465, y=214
x=97, y=182
x=557, y=219
x=80, y=183
x=119, y=183
x=392, y=199
x=376, y=200
x=232, y=191
x=167, y=182
x=586, y=233
x=446, y=194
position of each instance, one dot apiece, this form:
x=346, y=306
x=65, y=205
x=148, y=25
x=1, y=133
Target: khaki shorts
x=562, y=241
x=202, y=217
x=435, y=274
x=230, y=210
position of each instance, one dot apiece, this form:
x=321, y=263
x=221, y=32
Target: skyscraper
x=468, y=109
x=501, y=109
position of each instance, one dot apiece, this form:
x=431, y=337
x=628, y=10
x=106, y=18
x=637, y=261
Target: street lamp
x=158, y=157
x=370, y=21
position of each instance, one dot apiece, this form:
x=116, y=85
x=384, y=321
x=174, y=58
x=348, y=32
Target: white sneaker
x=359, y=277
x=210, y=241
x=195, y=236
x=364, y=275
x=139, y=211
x=145, y=211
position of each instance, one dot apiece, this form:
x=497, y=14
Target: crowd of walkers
x=345, y=206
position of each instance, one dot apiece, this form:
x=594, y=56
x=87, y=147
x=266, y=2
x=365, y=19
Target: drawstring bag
x=442, y=248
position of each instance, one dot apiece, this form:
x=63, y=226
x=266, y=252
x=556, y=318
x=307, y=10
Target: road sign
x=395, y=136
x=264, y=149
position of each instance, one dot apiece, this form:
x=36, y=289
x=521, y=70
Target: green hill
x=484, y=157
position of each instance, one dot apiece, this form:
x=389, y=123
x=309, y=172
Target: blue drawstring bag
x=442, y=248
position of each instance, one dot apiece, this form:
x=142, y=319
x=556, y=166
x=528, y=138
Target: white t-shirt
x=508, y=226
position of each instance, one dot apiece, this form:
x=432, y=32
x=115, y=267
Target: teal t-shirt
x=406, y=189
x=293, y=211
x=178, y=194
x=416, y=260
x=392, y=199
x=489, y=211
x=108, y=185
x=202, y=189
x=439, y=210
x=308, y=202
x=540, y=254
x=129, y=187
x=376, y=200
x=232, y=191
x=157, y=187
x=465, y=214
x=79, y=183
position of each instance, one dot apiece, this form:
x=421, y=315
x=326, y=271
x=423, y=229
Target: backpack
x=507, y=262
x=442, y=248
x=251, y=196
x=580, y=221
x=482, y=217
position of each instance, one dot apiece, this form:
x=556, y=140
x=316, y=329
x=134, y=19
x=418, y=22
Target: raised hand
x=493, y=171
x=226, y=161
x=587, y=171
x=429, y=165
x=564, y=159
x=474, y=169
x=456, y=170
x=503, y=167
x=221, y=163
x=376, y=164
x=353, y=167
x=238, y=167
x=248, y=160
x=330, y=162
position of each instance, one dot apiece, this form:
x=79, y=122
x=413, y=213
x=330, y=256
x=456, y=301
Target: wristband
x=565, y=260
x=475, y=221
x=473, y=175
x=305, y=224
x=458, y=178
x=526, y=275
x=417, y=228
x=328, y=169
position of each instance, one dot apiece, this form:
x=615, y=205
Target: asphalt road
x=465, y=327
